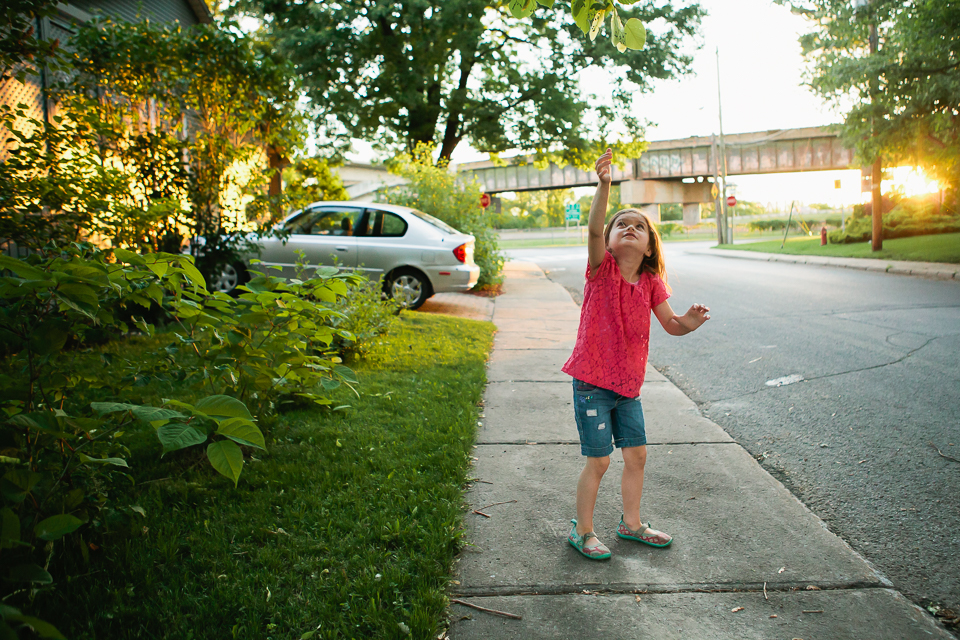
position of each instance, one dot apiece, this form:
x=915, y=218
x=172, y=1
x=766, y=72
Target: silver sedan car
x=416, y=254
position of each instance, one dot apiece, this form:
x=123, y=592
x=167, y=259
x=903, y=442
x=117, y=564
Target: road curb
x=935, y=270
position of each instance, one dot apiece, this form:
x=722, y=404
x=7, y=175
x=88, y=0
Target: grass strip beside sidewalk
x=935, y=248
x=345, y=528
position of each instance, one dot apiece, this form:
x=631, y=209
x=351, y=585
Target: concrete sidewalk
x=936, y=270
x=748, y=559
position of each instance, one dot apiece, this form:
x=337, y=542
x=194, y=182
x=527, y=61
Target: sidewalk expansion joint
x=533, y=381
x=577, y=442
x=630, y=589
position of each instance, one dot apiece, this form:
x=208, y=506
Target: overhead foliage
x=20, y=44
x=902, y=103
x=158, y=131
x=419, y=71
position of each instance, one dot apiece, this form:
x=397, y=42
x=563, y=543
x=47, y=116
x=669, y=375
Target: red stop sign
x=485, y=200
x=731, y=201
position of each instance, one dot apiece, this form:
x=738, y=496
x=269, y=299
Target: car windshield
x=440, y=224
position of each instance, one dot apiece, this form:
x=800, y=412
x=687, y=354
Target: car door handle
x=341, y=248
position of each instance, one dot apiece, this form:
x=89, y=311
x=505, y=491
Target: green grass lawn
x=937, y=248
x=345, y=528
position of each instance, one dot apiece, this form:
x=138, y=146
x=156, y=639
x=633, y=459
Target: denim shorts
x=606, y=418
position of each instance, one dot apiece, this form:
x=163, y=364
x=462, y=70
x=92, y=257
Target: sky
x=761, y=74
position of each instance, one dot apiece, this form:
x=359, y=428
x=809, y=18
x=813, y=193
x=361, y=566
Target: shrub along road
x=878, y=354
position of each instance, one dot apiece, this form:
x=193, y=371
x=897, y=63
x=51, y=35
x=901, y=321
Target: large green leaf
x=48, y=337
x=9, y=528
x=30, y=573
x=177, y=435
x=346, y=373
x=617, y=34
x=152, y=414
x=103, y=408
x=41, y=628
x=227, y=458
x=243, y=432
x=80, y=294
x=522, y=8
x=223, y=407
x=636, y=34
x=191, y=271
x=56, y=527
x=128, y=256
x=117, y=462
x=21, y=268
x=596, y=21
x=159, y=268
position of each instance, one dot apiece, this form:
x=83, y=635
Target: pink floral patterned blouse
x=614, y=335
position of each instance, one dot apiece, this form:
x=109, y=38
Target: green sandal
x=652, y=537
x=596, y=551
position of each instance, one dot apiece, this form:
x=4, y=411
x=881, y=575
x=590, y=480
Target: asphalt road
x=855, y=439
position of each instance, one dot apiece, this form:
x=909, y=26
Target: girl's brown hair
x=653, y=263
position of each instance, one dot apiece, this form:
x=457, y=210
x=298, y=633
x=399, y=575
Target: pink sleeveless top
x=614, y=335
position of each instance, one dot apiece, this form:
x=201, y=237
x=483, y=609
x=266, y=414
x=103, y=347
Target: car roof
x=383, y=206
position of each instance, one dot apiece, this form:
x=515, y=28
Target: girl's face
x=630, y=233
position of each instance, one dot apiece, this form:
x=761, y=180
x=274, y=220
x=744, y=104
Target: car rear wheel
x=409, y=287
x=232, y=276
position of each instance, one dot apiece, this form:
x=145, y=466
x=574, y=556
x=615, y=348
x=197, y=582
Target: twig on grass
x=493, y=611
x=942, y=454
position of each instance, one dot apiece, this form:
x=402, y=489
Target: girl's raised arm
x=598, y=211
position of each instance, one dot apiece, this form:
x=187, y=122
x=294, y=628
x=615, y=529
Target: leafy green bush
x=437, y=191
x=667, y=229
x=63, y=459
x=64, y=462
x=907, y=219
x=365, y=314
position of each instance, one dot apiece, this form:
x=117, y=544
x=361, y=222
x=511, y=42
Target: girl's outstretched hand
x=696, y=316
x=603, y=166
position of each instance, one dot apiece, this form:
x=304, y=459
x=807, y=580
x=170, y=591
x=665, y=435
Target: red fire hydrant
x=823, y=236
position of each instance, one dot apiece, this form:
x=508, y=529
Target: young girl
x=626, y=280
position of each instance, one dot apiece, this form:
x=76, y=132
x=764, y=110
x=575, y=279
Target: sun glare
x=912, y=181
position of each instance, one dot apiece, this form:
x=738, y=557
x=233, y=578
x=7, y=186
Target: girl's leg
x=587, y=487
x=631, y=484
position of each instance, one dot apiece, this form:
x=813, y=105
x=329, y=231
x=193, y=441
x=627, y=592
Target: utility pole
x=723, y=157
x=715, y=190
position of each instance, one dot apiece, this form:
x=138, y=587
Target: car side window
x=339, y=221
x=392, y=225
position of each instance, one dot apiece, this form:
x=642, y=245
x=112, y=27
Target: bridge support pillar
x=652, y=211
x=691, y=213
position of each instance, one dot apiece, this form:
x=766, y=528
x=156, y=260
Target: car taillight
x=460, y=253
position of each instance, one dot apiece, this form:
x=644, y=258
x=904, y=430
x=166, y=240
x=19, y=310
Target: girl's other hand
x=696, y=316
x=603, y=166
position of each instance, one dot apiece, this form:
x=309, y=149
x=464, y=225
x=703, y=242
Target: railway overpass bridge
x=680, y=171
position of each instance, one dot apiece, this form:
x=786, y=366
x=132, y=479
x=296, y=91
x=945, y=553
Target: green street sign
x=573, y=212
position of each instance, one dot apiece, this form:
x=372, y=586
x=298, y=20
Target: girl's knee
x=634, y=457
x=598, y=465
